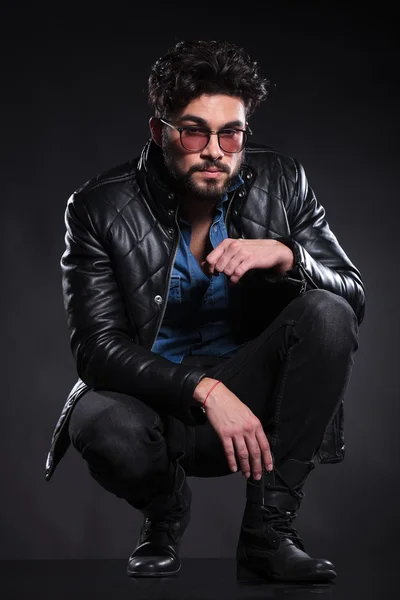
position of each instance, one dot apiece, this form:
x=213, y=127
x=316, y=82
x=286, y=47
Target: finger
x=218, y=251
x=255, y=456
x=265, y=448
x=232, y=252
x=216, y=254
x=230, y=453
x=242, y=455
x=233, y=264
x=240, y=270
x=207, y=269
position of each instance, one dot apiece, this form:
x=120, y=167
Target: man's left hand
x=235, y=257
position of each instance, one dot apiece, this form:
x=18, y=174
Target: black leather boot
x=166, y=519
x=269, y=546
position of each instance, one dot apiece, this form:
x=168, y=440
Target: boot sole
x=244, y=574
x=153, y=573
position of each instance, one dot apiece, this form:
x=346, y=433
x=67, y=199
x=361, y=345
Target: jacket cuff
x=295, y=270
x=192, y=414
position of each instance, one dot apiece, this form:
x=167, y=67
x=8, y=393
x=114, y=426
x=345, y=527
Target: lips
x=212, y=174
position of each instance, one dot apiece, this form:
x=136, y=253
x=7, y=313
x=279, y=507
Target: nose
x=212, y=150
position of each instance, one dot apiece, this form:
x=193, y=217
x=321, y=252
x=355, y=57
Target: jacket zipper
x=302, y=283
x=168, y=280
x=305, y=277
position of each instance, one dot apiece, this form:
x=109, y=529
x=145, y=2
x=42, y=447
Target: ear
x=156, y=130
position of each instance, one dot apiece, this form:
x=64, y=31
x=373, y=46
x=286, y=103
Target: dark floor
x=197, y=579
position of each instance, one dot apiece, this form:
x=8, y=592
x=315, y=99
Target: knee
x=116, y=438
x=330, y=317
x=328, y=306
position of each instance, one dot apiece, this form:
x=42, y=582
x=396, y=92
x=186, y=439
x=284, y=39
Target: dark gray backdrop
x=74, y=103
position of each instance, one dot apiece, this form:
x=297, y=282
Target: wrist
x=202, y=389
x=209, y=396
x=286, y=262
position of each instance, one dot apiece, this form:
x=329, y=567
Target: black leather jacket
x=121, y=240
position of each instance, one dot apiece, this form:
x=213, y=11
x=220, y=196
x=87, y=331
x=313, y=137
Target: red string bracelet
x=208, y=393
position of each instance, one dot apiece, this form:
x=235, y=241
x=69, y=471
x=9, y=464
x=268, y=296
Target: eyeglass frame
x=247, y=133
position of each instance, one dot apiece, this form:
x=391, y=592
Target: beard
x=185, y=184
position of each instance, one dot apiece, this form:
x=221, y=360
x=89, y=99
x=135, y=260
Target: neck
x=198, y=211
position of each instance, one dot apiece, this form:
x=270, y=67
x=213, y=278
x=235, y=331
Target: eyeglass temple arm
x=169, y=124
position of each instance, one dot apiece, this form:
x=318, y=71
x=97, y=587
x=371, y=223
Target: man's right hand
x=237, y=427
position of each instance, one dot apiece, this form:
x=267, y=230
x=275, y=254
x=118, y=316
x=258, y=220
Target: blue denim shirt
x=195, y=319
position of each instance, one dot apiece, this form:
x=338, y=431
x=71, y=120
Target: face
x=207, y=173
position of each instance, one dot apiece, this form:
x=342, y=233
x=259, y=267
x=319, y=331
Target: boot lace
x=281, y=520
x=167, y=526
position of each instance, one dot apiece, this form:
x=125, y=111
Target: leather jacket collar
x=156, y=183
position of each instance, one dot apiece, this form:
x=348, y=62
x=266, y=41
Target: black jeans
x=293, y=377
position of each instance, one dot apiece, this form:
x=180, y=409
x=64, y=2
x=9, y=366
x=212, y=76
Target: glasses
x=196, y=138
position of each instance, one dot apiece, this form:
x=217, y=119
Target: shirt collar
x=234, y=185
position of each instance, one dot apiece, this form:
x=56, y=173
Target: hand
x=237, y=427
x=235, y=257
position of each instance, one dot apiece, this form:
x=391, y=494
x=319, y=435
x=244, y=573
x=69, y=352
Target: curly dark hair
x=204, y=67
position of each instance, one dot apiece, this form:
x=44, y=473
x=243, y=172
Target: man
x=213, y=318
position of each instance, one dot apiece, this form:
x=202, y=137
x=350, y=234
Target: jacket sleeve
x=318, y=256
x=101, y=340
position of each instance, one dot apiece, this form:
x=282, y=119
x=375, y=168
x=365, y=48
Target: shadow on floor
x=198, y=579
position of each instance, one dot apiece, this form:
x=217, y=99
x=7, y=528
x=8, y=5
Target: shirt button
x=249, y=176
x=171, y=196
x=158, y=299
x=171, y=212
x=241, y=193
x=171, y=231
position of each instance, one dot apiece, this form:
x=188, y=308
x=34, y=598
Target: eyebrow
x=200, y=121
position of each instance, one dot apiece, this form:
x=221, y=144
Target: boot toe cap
x=312, y=570
x=153, y=562
x=325, y=569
